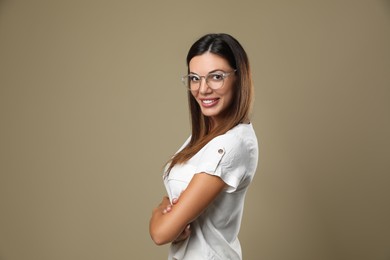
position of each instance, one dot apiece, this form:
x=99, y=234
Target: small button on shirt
x=233, y=157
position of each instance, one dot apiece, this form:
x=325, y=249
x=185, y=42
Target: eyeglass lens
x=213, y=80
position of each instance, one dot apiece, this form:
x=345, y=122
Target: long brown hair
x=239, y=110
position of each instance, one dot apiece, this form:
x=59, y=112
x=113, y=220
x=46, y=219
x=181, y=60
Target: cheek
x=229, y=99
x=229, y=95
x=193, y=95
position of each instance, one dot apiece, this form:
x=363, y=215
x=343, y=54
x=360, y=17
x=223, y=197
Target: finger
x=167, y=209
x=185, y=234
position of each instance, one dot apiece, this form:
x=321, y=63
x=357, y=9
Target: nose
x=203, y=87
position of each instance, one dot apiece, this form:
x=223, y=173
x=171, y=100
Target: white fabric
x=233, y=157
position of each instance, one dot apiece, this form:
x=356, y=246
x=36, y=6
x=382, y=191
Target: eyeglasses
x=214, y=80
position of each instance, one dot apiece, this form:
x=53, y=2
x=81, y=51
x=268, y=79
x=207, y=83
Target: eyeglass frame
x=185, y=79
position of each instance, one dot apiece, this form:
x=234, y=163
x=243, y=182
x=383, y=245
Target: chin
x=210, y=113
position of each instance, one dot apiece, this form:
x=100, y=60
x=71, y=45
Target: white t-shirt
x=233, y=157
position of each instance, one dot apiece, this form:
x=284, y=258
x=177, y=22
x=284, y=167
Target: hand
x=164, y=204
x=183, y=235
x=169, y=207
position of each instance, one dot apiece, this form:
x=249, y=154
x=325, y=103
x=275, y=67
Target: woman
x=207, y=179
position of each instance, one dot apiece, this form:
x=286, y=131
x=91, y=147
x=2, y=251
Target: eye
x=193, y=78
x=216, y=76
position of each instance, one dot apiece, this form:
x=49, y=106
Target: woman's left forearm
x=161, y=228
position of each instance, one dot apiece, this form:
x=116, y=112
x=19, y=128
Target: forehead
x=207, y=62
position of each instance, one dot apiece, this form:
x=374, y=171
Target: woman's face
x=213, y=103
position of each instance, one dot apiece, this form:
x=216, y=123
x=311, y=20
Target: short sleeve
x=225, y=156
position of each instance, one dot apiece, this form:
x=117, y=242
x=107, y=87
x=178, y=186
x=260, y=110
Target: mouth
x=209, y=102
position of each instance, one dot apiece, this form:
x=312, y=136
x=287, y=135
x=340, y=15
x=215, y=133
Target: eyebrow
x=221, y=70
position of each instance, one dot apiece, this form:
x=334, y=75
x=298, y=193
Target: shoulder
x=240, y=139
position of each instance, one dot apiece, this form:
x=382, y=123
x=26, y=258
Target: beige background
x=91, y=107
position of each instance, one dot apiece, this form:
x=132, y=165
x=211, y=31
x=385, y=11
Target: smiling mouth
x=209, y=102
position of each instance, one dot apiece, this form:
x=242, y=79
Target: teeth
x=208, y=101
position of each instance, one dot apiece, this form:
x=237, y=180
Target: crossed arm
x=201, y=191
